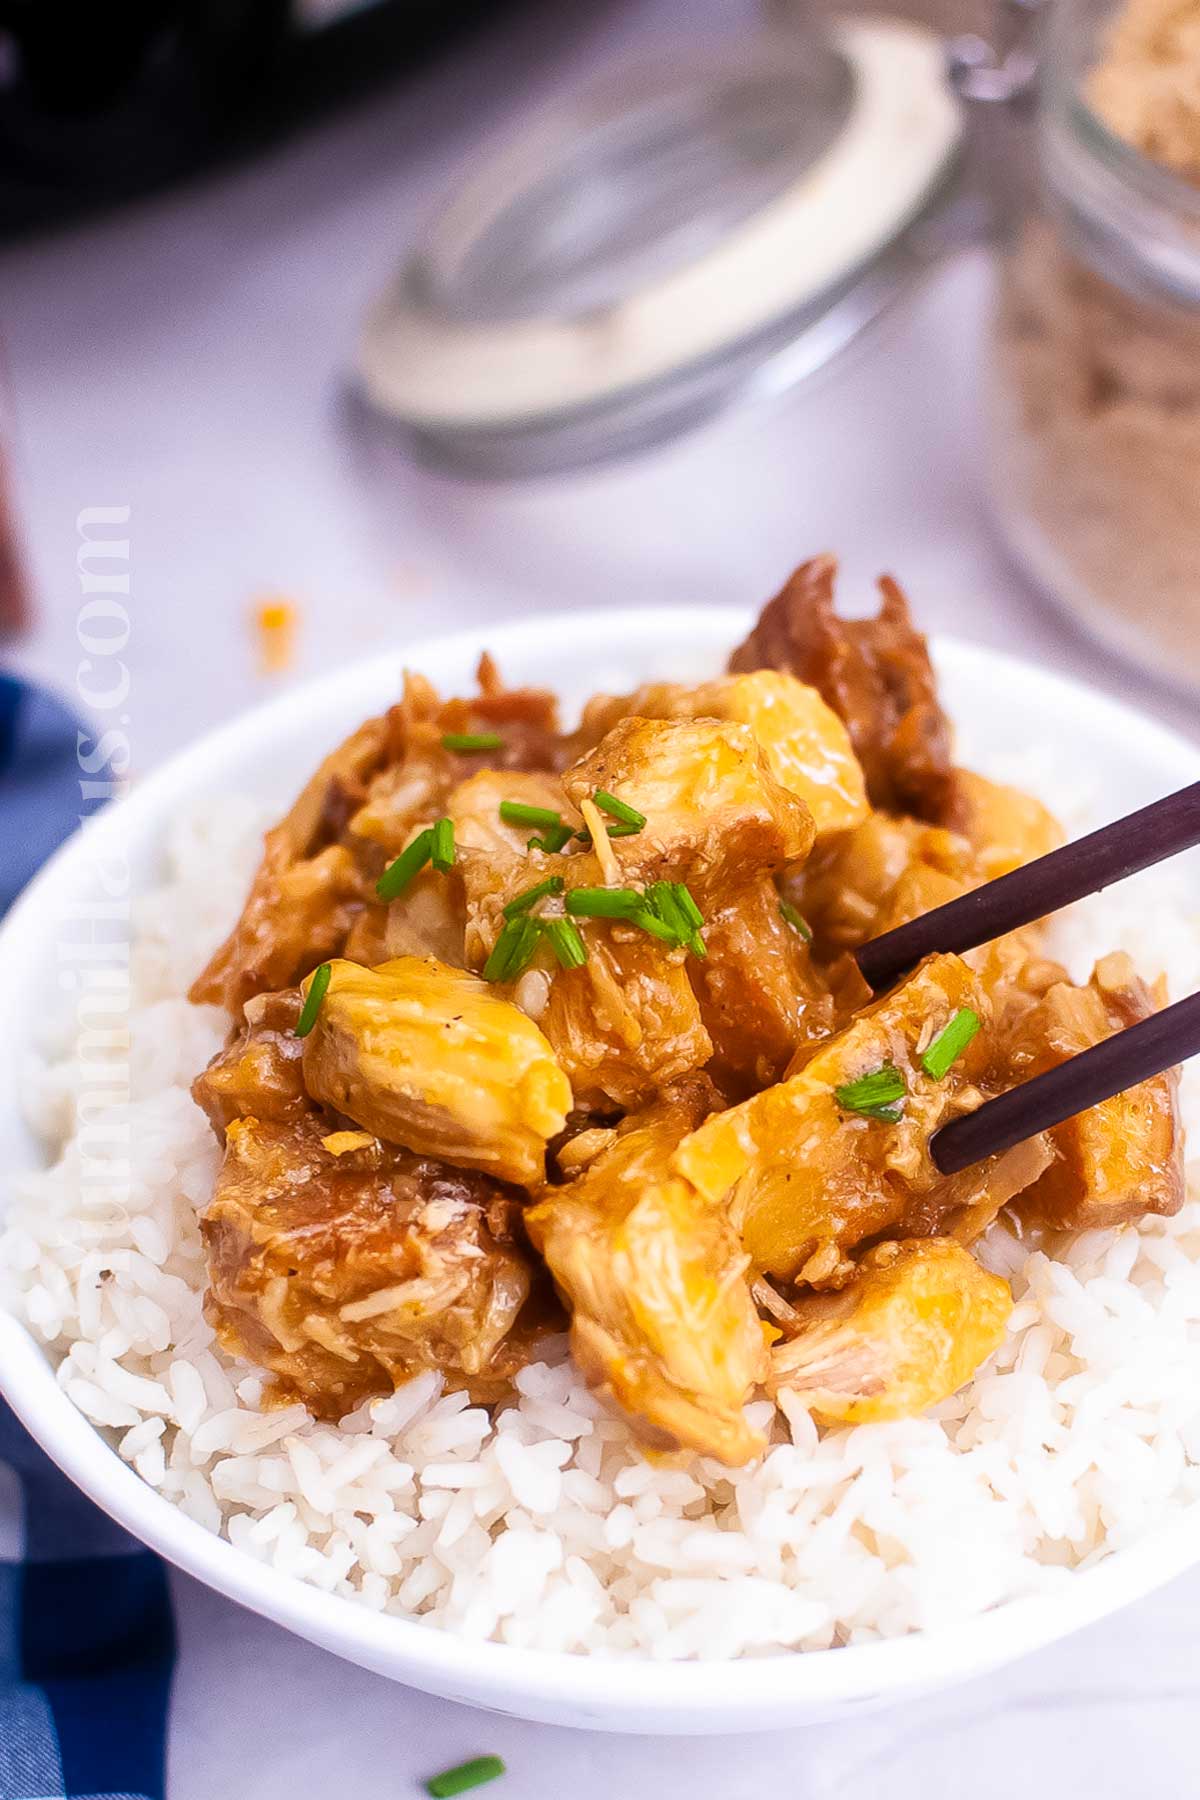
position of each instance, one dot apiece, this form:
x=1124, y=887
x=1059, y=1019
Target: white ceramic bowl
x=269, y=752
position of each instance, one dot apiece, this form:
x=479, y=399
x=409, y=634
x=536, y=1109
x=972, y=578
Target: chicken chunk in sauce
x=807, y=747
x=715, y=814
x=622, y=1024
x=627, y=1023
x=762, y=994
x=345, y=1265
x=432, y=1058
x=1119, y=1160
x=365, y=802
x=661, y=1313
x=634, y=1016
x=891, y=868
x=811, y=1167
x=910, y=1329
x=260, y=1072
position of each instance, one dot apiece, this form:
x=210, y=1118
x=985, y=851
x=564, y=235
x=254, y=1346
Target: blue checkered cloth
x=87, y=1636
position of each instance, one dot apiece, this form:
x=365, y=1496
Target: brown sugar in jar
x=1095, y=389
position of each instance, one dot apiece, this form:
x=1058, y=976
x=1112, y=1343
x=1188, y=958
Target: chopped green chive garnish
x=671, y=902
x=566, y=942
x=398, y=874
x=513, y=950
x=619, y=810
x=552, y=839
x=604, y=902
x=317, y=989
x=666, y=910
x=612, y=831
x=796, y=920
x=441, y=849
x=542, y=818
x=950, y=1043
x=467, y=1775
x=874, y=1095
x=645, y=920
x=553, y=884
x=472, y=740
x=687, y=905
x=660, y=898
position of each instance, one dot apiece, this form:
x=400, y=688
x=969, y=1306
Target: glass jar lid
x=701, y=226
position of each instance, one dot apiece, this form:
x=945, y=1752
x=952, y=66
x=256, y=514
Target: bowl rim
x=509, y=1677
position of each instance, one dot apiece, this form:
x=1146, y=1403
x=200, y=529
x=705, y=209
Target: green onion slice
x=523, y=903
x=950, y=1043
x=398, y=874
x=687, y=905
x=513, y=950
x=796, y=920
x=441, y=849
x=472, y=740
x=671, y=902
x=318, y=987
x=552, y=839
x=693, y=915
x=515, y=812
x=874, y=1095
x=566, y=942
x=467, y=1775
x=645, y=920
x=619, y=810
x=604, y=902
x=612, y=831
x=660, y=898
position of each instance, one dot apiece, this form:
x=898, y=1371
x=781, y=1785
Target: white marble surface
x=188, y=359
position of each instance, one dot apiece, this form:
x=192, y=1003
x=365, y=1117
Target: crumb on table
x=274, y=620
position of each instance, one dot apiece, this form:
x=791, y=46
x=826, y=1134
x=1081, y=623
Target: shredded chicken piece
x=346, y=1272
x=915, y=1323
x=1004, y=827
x=623, y=1024
x=889, y=870
x=366, y=800
x=661, y=1313
x=606, y=856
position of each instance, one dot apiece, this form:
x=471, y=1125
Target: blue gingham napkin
x=87, y=1637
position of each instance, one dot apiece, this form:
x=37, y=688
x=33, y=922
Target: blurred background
x=385, y=318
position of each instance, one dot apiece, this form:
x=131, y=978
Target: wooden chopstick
x=1120, y=1062
x=1135, y=842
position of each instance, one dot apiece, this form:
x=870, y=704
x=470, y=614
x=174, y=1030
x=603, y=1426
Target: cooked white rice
x=546, y=1527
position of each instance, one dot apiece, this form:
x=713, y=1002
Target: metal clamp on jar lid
x=673, y=237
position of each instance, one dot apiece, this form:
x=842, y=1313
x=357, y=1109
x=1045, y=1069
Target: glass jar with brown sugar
x=1095, y=371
